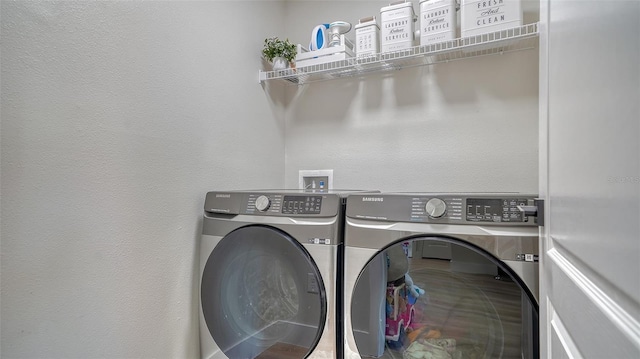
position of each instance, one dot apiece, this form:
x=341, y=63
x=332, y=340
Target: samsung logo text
x=372, y=199
x=223, y=196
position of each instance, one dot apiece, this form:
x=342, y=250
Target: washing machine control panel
x=283, y=204
x=302, y=204
x=267, y=203
x=262, y=203
x=436, y=207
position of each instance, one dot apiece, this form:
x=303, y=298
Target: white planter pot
x=280, y=63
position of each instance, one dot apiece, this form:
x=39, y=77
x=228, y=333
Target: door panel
x=590, y=178
x=561, y=344
x=581, y=304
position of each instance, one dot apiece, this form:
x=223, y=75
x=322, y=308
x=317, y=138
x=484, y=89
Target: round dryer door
x=262, y=293
x=442, y=298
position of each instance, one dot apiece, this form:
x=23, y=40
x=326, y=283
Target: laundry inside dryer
x=440, y=309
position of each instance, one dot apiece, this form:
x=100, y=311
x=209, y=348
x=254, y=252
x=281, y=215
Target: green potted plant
x=279, y=52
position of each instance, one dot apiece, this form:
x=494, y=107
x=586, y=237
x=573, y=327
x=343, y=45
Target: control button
x=262, y=203
x=435, y=207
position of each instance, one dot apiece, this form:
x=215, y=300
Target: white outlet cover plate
x=315, y=173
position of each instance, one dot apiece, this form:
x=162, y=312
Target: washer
x=442, y=275
x=270, y=262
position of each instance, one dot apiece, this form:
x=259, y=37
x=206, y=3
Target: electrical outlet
x=319, y=180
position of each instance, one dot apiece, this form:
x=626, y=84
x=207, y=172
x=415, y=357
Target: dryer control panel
x=446, y=208
x=495, y=209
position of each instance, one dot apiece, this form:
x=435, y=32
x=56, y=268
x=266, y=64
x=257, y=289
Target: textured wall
x=117, y=117
x=469, y=125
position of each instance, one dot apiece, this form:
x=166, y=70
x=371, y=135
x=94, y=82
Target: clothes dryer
x=441, y=276
x=270, y=263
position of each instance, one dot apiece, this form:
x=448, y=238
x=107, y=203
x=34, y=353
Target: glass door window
x=468, y=306
x=262, y=295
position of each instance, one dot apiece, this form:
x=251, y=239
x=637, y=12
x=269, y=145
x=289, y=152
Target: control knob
x=262, y=203
x=435, y=207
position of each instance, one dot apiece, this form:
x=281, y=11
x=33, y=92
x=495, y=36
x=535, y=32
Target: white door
x=590, y=178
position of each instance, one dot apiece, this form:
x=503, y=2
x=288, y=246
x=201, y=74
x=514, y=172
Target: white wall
x=469, y=125
x=117, y=117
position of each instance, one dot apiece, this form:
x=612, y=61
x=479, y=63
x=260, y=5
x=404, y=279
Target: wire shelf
x=499, y=42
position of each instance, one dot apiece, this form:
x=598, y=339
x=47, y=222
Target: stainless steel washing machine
x=270, y=262
x=441, y=276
